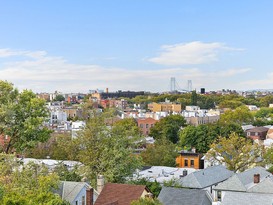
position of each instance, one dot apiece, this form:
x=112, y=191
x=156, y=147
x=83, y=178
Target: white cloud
x=189, y=53
x=232, y=72
x=40, y=72
x=6, y=52
x=258, y=83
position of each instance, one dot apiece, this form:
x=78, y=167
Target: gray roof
x=243, y=198
x=265, y=186
x=180, y=196
x=69, y=190
x=246, y=177
x=206, y=177
x=244, y=181
x=232, y=184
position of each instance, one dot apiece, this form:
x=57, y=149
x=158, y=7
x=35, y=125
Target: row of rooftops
x=203, y=184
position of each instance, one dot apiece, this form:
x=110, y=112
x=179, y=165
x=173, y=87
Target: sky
x=77, y=46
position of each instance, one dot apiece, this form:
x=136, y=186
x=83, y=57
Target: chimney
x=89, y=196
x=193, y=150
x=100, y=183
x=185, y=172
x=256, y=178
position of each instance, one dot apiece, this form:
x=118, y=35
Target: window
x=147, y=125
x=186, y=163
x=248, y=133
x=141, y=125
x=76, y=202
x=219, y=195
x=83, y=200
x=192, y=162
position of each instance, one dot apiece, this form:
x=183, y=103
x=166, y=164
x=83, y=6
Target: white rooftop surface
x=51, y=163
x=162, y=173
x=268, y=142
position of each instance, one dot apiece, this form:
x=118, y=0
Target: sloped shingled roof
x=206, y=177
x=244, y=198
x=119, y=194
x=180, y=196
x=69, y=190
x=244, y=181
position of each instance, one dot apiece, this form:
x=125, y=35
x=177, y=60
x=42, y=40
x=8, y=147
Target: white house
x=76, y=127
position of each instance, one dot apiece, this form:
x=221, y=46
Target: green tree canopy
x=107, y=151
x=199, y=137
x=268, y=156
x=241, y=115
x=193, y=97
x=265, y=101
x=60, y=146
x=230, y=104
x=128, y=127
x=163, y=153
x=21, y=118
x=202, y=136
x=237, y=153
x=59, y=98
x=146, y=201
x=264, y=112
x=28, y=185
x=168, y=127
x=154, y=187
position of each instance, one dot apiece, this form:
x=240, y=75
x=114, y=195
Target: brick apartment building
x=145, y=125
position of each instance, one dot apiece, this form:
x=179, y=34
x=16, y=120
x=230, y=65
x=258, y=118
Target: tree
x=163, y=153
x=207, y=104
x=67, y=175
x=237, y=153
x=202, y=136
x=106, y=151
x=21, y=118
x=59, y=98
x=264, y=112
x=265, y=101
x=127, y=126
x=154, y=187
x=232, y=104
x=199, y=137
x=226, y=129
x=29, y=184
x=241, y=115
x=193, y=97
x=168, y=127
x=188, y=137
x=146, y=201
x=268, y=156
x=59, y=147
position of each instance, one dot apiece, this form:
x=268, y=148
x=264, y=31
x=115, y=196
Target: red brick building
x=145, y=124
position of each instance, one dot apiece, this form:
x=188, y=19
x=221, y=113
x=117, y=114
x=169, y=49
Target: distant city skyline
x=77, y=46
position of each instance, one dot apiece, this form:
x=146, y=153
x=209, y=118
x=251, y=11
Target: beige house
x=202, y=120
x=164, y=107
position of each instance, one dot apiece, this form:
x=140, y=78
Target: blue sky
x=74, y=46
